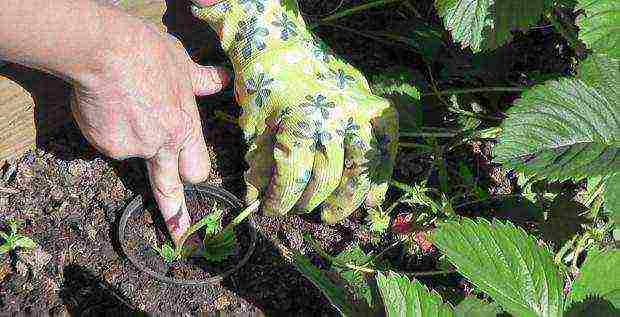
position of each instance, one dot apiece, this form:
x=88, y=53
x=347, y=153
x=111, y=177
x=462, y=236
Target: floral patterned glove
x=317, y=134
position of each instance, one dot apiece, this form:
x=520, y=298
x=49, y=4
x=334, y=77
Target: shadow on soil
x=84, y=294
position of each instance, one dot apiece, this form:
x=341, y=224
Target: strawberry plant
x=508, y=265
x=14, y=240
x=217, y=243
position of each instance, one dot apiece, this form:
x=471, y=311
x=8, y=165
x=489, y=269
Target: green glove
x=317, y=135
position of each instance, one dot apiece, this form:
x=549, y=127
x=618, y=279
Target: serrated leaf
x=395, y=84
x=403, y=297
x=355, y=278
x=25, y=242
x=599, y=277
x=593, y=306
x=473, y=307
x=219, y=246
x=509, y=15
x=336, y=295
x=379, y=220
x=598, y=27
x=565, y=129
x=506, y=263
x=611, y=197
x=481, y=24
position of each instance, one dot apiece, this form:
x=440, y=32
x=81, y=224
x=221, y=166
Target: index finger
x=168, y=191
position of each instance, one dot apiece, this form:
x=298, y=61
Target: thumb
x=207, y=80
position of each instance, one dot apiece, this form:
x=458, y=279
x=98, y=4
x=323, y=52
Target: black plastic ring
x=215, y=192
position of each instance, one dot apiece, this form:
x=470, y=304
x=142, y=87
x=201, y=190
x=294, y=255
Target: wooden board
x=33, y=104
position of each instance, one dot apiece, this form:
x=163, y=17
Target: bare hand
x=141, y=104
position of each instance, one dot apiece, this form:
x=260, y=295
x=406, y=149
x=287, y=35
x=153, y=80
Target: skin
x=134, y=88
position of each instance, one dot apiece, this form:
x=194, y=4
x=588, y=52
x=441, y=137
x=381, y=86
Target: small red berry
x=402, y=223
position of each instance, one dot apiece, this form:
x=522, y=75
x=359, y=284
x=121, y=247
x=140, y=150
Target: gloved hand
x=316, y=133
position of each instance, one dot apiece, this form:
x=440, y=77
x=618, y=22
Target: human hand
x=316, y=133
x=141, y=104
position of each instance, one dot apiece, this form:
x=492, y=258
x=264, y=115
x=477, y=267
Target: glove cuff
x=250, y=28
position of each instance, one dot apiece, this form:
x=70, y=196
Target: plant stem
x=427, y=273
x=354, y=10
x=472, y=90
x=370, y=36
x=428, y=134
x=416, y=146
x=240, y=217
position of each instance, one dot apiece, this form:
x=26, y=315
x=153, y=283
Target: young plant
x=14, y=240
x=218, y=243
x=172, y=253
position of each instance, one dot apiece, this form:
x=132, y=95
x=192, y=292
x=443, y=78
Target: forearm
x=69, y=38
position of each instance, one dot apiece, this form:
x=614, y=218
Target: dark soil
x=70, y=197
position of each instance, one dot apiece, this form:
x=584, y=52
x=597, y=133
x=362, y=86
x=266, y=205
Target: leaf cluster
x=509, y=266
x=13, y=239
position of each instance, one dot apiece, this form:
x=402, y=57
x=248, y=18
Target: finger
x=293, y=155
x=385, y=132
x=194, y=161
x=355, y=181
x=167, y=189
x=326, y=174
x=207, y=80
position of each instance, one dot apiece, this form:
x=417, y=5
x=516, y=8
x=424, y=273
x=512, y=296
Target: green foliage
x=396, y=85
x=379, y=220
x=167, y=252
x=612, y=198
x=219, y=246
x=473, y=307
x=500, y=259
x=14, y=240
x=599, y=277
x=506, y=263
x=486, y=24
x=403, y=297
x=598, y=26
x=336, y=295
x=566, y=129
x=218, y=243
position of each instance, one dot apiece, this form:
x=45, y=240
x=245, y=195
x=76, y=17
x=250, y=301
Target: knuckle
x=167, y=190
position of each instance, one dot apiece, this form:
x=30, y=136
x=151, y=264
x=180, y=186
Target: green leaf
x=599, y=277
x=506, y=263
x=395, y=84
x=4, y=235
x=355, y=278
x=566, y=129
x=473, y=307
x=336, y=295
x=379, y=220
x=218, y=247
x=25, y=242
x=167, y=252
x=403, y=297
x=481, y=24
x=599, y=26
x=612, y=198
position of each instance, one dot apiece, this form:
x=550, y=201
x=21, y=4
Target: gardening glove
x=316, y=133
